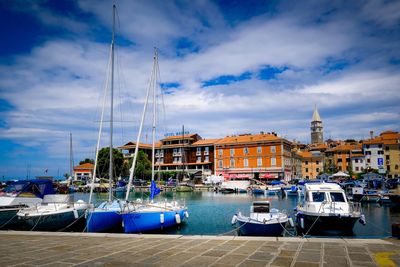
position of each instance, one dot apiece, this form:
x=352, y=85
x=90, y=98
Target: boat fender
x=362, y=219
x=291, y=223
x=234, y=219
x=302, y=223
x=76, y=216
x=177, y=218
x=161, y=218
x=186, y=214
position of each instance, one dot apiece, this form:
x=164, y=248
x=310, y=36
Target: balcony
x=128, y=155
x=206, y=153
x=198, y=153
x=176, y=154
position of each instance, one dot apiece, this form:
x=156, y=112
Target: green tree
x=143, y=166
x=103, y=163
x=87, y=160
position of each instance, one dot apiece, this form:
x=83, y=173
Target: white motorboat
x=262, y=220
x=324, y=209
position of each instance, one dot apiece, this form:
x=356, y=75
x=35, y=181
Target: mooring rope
x=9, y=220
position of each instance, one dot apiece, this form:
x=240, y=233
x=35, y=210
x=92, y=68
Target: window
x=246, y=150
x=219, y=163
x=386, y=148
x=232, y=151
x=356, y=160
x=206, y=159
x=259, y=162
x=306, y=162
x=306, y=169
x=246, y=163
x=337, y=197
x=259, y=150
x=361, y=161
x=348, y=160
x=206, y=149
x=220, y=152
x=317, y=170
x=339, y=160
x=380, y=146
x=232, y=163
x=387, y=157
x=273, y=161
x=367, y=146
x=198, y=159
x=368, y=160
x=357, y=169
x=380, y=152
x=318, y=196
x=367, y=152
x=199, y=149
x=273, y=149
x=317, y=162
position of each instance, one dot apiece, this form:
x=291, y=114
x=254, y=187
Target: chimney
x=371, y=133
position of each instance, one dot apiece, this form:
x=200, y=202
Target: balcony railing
x=198, y=153
x=128, y=155
x=176, y=154
x=206, y=152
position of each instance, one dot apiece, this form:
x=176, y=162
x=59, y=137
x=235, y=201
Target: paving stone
x=363, y=264
x=360, y=257
x=305, y=264
x=252, y=263
x=335, y=260
x=287, y=253
x=335, y=251
x=309, y=257
x=358, y=249
x=263, y=256
x=231, y=259
x=282, y=261
x=200, y=261
x=215, y=253
x=245, y=250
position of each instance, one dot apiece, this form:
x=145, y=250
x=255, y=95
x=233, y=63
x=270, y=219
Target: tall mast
x=111, y=170
x=132, y=170
x=182, y=152
x=153, y=130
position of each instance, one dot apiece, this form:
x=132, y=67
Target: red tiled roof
x=85, y=166
x=248, y=138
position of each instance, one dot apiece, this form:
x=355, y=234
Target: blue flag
x=154, y=190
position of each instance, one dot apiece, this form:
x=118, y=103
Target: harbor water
x=211, y=213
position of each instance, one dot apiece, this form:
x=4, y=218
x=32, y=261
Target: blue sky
x=227, y=67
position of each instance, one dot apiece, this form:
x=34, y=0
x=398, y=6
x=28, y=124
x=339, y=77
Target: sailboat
x=55, y=212
x=107, y=215
x=143, y=216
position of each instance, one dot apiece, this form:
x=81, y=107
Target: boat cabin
x=324, y=192
x=260, y=207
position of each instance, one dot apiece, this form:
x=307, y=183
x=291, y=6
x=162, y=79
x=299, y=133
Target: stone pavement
x=84, y=249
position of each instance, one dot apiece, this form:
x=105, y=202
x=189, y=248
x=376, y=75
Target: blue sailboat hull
x=103, y=221
x=105, y=218
x=138, y=222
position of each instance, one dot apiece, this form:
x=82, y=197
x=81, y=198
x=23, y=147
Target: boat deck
x=84, y=249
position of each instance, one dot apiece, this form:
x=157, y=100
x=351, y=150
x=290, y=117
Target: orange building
x=83, y=172
x=339, y=157
x=254, y=156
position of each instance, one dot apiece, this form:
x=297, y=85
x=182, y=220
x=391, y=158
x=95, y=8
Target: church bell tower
x=317, y=135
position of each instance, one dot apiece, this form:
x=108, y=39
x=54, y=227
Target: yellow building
x=312, y=164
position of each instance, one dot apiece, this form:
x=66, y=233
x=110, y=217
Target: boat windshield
x=318, y=196
x=337, y=197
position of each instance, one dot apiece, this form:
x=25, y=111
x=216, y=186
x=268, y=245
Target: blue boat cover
x=154, y=190
x=39, y=187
